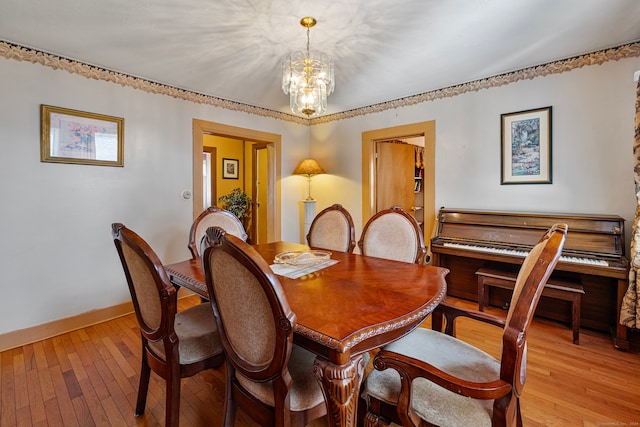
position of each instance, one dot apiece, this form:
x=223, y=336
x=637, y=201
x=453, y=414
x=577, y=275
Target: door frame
x=254, y=190
x=369, y=138
x=203, y=127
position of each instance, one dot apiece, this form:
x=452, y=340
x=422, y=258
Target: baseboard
x=26, y=336
x=36, y=333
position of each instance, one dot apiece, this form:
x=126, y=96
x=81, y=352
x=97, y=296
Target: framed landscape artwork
x=526, y=147
x=229, y=168
x=71, y=136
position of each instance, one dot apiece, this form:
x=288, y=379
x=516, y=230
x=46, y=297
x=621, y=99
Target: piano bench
x=559, y=289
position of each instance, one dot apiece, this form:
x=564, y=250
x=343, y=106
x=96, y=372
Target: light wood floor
x=90, y=377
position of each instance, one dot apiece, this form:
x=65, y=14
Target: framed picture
x=71, y=136
x=230, y=168
x=526, y=147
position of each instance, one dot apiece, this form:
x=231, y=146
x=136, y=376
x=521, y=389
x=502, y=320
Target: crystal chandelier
x=308, y=78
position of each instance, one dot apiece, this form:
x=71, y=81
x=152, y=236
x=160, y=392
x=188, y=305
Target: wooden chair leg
x=143, y=388
x=229, y=403
x=172, y=416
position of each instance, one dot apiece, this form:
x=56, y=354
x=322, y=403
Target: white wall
x=57, y=257
x=592, y=140
x=58, y=260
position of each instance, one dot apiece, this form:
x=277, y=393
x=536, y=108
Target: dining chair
x=393, y=234
x=333, y=229
x=213, y=216
x=175, y=344
x=437, y=379
x=268, y=376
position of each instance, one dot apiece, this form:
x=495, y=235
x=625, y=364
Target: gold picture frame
x=78, y=137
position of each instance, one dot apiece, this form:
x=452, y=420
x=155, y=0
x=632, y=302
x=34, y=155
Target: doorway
x=395, y=168
x=270, y=169
x=209, y=173
x=262, y=187
x=370, y=180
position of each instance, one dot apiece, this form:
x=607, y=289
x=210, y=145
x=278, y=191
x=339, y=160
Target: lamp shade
x=308, y=167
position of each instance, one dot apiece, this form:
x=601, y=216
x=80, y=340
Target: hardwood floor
x=90, y=377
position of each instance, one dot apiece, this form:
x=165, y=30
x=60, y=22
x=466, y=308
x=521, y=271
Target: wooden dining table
x=358, y=304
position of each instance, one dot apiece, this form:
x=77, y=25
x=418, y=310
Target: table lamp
x=308, y=167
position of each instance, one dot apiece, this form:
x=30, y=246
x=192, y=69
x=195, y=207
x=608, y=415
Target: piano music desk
x=559, y=289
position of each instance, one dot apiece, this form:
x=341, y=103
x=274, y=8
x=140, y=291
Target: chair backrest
x=534, y=273
x=393, y=234
x=210, y=217
x=254, y=318
x=153, y=296
x=333, y=229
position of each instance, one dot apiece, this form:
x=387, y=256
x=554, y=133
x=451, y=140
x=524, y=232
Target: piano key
x=513, y=252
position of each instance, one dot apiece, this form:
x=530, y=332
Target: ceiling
x=383, y=50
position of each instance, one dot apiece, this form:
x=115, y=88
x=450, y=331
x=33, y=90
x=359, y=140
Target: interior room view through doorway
x=252, y=164
x=412, y=186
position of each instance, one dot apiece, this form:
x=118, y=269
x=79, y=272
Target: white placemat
x=297, y=271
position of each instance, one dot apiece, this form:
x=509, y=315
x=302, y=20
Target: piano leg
x=620, y=340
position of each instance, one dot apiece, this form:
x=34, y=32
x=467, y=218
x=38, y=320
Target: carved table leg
x=341, y=388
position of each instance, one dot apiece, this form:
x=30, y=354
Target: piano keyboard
x=576, y=260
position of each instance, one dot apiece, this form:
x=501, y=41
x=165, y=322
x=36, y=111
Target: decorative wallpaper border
x=630, y=50
x=20, y=53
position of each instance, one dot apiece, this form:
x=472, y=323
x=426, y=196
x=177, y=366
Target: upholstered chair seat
x=305, y=392
x=197, y=333
x=431, y=402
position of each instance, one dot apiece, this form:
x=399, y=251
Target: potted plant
x=238, y=203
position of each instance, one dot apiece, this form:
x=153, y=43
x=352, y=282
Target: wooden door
x=394, y=175
x=260, y=192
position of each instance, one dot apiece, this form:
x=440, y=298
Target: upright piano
x=594, y=253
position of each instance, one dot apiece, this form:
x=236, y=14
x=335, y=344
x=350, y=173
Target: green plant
x=237, y=202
